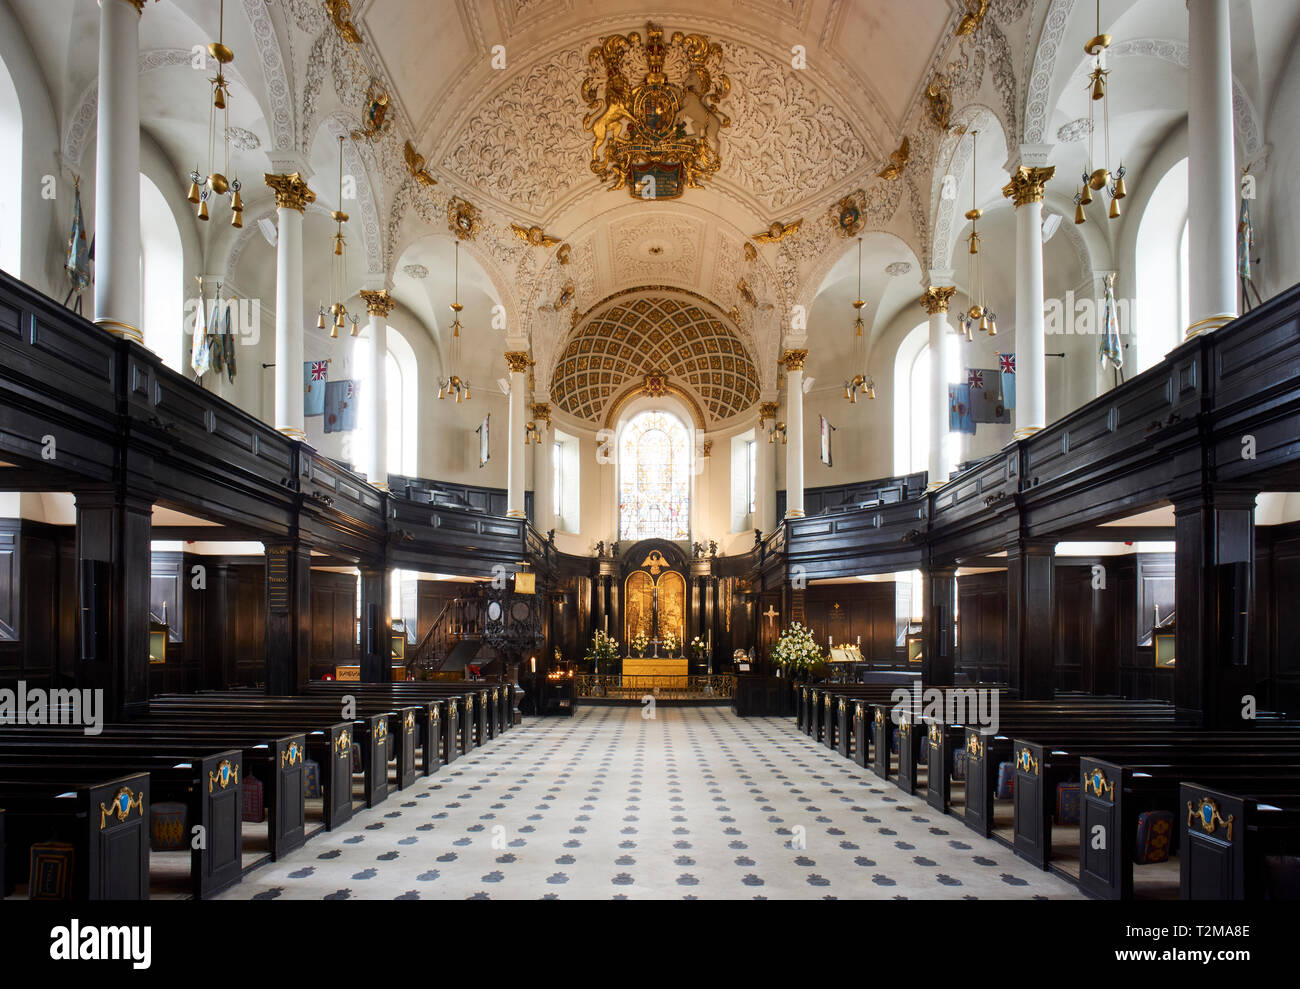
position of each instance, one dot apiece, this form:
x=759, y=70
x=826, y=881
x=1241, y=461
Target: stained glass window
x=654, y=485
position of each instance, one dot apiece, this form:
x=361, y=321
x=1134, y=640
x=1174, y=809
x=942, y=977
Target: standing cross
x=770, y=614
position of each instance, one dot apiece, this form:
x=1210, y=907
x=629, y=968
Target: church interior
x=530, y=449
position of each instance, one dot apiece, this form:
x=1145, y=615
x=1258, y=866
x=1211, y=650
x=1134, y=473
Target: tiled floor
x=694, y=803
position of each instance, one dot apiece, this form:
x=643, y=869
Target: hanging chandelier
x=453, y=384
x=861, y=381
x=338, y=312
x=977, y=315
x=203, y=189
x=1097, y=178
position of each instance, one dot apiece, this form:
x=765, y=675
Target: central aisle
x=693, y=803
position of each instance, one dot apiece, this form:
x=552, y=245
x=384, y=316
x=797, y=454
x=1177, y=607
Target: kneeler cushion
x=254, y=812
x=169, y=826
x=50, y=875
x=959, y=764
x=1006, y=781
x=1155, y=827
x=356, y=758
x=311, y=779
x=1067, y=803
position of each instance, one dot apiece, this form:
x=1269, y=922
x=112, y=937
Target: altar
x=665, y=672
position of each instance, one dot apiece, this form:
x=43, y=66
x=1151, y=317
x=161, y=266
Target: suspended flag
x=484, y=447
x=986, y=399
x=340, y=406
x=959, y=411
x=313, y=387
x=1245, y=248
x=1007, y=368
x=826, y=430
x=228, y=341
x=1112, y=351
x=77, y=264
x=215, y=346
x=200, y=350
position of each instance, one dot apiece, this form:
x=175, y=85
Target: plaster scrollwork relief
x=1039, y=89
x=635, y=240
x=274, y=74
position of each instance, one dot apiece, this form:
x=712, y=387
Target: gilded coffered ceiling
x=612, y=351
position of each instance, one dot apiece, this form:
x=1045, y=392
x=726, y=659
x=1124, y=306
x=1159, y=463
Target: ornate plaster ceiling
x=616, y=347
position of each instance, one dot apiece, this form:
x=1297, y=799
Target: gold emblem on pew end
x=934, y=734
x=381, y=730
x=844, y=706
x=880, y=716
x=974, y=746
x=1026, y=762
x=409, y=722
x=121, y=806
x=226, y=774
x=343, y=743
x=1097, y=783
x=1207, y=812
x=292, y=755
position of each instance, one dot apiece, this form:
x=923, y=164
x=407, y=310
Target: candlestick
x=533, y=662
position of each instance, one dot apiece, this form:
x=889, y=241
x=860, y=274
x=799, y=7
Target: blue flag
x=1007, y=367
x=313, y=387
x=1112, y=349
x=960, y=419
x=77, y=263
x=340, y=406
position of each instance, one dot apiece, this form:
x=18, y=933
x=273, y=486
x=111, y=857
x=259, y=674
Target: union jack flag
x=318, y=369
x=975, y=378
x=1007, y=363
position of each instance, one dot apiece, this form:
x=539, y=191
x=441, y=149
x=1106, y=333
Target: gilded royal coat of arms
x=660, y=137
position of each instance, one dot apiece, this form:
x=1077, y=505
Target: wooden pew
x=104, y=817
x=1227, y=836
x=206, y=781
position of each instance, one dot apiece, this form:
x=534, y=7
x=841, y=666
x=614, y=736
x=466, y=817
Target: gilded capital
x=793, y=359
x=1027, y=185
x=541, y=411
x=378, y=303
x=291, y=191
x=517, y=360
x=766, y=411
x=935, y=299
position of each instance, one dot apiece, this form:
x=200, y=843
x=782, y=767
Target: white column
x=1025, y=190
x=291, y=198
x=935, y=302
x=765, y=495
x=518, y=362
x=117, y=170
x=374, y=394
x=793, y=360
x=544, y=507
x=1211, y=167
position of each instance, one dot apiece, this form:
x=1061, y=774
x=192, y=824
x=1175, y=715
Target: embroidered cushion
x=254, y=812
x=1155, y=828
x=1067, y=803
x=50, y=875
x=311, y=779
x=169, y=826
x=1006, y=781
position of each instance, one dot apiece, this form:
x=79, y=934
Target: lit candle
x=533, y=661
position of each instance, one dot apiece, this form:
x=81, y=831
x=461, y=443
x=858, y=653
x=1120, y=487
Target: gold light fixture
x=861, y=381
x=1098, y=177
x=778, y=429
x=204, y=188
x=977, y=315
x=453, y=384
x=338, y=312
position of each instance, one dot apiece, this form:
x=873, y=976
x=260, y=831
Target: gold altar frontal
x=666, y=672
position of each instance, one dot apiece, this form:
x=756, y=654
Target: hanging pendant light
x=453, y=384
x=204, y=188
x=978, y=315
x=861, y=381
x=338, y=310
x=1098, y=176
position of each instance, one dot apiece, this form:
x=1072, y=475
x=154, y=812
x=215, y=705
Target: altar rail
x=614, y=686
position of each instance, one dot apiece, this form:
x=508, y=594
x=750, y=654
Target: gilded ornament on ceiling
x=655, y=384
x=340, y=12
x=973, y=18
x=374, y=118
x=747, y=293
x=534, y=236
x=939, y=97
x=562, y=255
x=462, y=218
x=897, y=161
x=751, y=252
x=415, y=165
x=851, y=214
x=778, y=231
x=660, y=137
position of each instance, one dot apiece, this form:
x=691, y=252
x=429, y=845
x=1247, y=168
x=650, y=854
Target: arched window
x=913, y=404
x=654, y=488
x=1163, y=285
x=11, y=175
x=162, y=279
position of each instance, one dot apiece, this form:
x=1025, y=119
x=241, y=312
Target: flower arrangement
x=670, y=644
x=640, y=642
x=699, y=648
x=796, y=651
x=603, y=652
